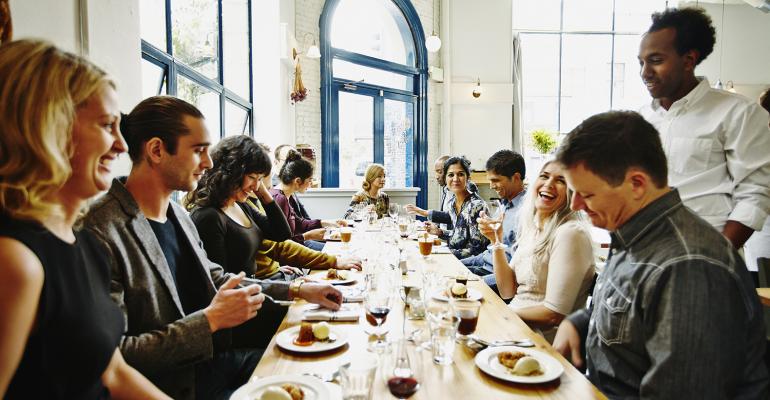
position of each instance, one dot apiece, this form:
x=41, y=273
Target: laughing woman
x=465, y=239
x=59, y=329
x=552, y=268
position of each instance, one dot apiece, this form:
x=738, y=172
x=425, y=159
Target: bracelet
x=294, y=288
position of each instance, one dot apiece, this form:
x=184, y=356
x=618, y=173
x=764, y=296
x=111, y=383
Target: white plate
x=285, y=340
x=314, y=389
x=321, y=278
x=487, y=361
x=473, y=294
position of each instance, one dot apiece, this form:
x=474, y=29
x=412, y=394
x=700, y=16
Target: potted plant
x=543, y=141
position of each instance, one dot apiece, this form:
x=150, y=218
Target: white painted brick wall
x=308, y=112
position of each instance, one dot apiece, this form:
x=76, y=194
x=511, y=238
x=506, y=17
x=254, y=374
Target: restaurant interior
x=400, y=83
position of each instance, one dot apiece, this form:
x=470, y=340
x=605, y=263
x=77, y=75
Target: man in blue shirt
x=505, y=171
x=674, y=313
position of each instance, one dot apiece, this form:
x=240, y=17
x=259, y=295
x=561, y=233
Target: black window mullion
x=169, y=39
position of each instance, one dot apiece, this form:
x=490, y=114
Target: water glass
x=443, y=330
x=357, y=378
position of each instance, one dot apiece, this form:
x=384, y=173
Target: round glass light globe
x=433, y=43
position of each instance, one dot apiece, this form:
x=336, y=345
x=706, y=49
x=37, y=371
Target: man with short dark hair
x=505, y=172
x=716, y=142
x=674, y=313
x=178, y=306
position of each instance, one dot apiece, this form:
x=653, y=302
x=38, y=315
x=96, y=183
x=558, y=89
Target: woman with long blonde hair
x=371, y=193
x=59, y=329
x=552, y=267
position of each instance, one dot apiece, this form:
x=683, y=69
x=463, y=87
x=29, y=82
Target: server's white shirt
x=718, y=148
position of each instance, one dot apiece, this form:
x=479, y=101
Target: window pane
x=195, y=35
x=356, y=137
x=628, y=92
x=235, y=46
x=206, y=101
x=581, y=15
x=536, y=14
x=585, y=83
x=359, y=73
x=153, y=79
x=236, y=120
x=375, y=28
x=634, y=15
x=152, y=20
x=540, y=81
x=399, y=142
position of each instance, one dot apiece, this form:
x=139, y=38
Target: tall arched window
x=374, y=93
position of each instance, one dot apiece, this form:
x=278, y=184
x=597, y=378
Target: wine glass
x=377, y=303
x=495, y=210
x=403, y=370
x=393, y=210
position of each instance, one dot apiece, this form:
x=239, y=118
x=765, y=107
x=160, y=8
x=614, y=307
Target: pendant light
x=433, y=43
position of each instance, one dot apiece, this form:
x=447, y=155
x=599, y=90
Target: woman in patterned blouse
x=372, y=194
x=465, y=239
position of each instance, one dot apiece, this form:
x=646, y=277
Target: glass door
x=374, y=125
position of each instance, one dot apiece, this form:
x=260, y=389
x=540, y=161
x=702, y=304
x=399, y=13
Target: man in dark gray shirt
x=675, y=314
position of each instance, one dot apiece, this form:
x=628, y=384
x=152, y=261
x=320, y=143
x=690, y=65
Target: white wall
x=480, y=47
x=111, y=31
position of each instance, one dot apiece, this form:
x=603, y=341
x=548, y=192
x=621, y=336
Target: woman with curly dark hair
x=233, y=232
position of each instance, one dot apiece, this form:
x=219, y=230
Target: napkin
x=345, y=313
x=352, y=294
x=441, y=250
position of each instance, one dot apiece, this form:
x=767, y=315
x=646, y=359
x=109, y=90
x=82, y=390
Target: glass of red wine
x=403, y=370
x=468, y=312
x=378, y=303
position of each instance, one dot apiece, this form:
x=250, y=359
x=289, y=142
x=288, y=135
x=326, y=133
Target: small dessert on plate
x=310, y=333
x=335, y=274
x=458, y=291
x=519, y=363
x=287, y=391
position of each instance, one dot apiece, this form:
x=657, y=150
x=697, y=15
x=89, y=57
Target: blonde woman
x=552, y=267
x=372, y=194
x=59, y=329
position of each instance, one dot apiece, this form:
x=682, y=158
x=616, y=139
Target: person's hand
x=433, y=229
x=485, y=227
x=287, y=269
x=323, y=294
x=263, y=194
x=348, y=263
x=342, y=222
x=413, y=209
x=232, y=306
x=315, y=234
x=567, y=342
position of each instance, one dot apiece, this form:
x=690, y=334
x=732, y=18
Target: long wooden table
x=764, y=295
x=461, y=380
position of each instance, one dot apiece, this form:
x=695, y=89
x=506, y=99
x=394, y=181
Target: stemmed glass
x=495, y=210
x=377, y=302
x=393, y=210
x=403, y=370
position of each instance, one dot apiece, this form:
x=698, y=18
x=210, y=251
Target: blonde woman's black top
x=78, y=327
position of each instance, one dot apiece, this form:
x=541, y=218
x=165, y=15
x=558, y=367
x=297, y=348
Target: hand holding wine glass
x=495, y=222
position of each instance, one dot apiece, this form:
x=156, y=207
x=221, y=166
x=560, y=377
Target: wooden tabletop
x=461, y=380
x=764, y=295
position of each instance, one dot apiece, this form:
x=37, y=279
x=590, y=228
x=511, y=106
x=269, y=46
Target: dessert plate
x=487, y=361
x=285, y=340
x=313, y=388
x=473, y=294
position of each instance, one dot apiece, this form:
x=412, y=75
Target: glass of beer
x=426, y=245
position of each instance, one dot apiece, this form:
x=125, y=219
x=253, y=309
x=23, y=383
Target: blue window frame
x=220, y=78
x=396, y=86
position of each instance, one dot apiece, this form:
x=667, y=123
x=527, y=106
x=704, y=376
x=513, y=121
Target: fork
x=518, y=343
x=280, y=302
